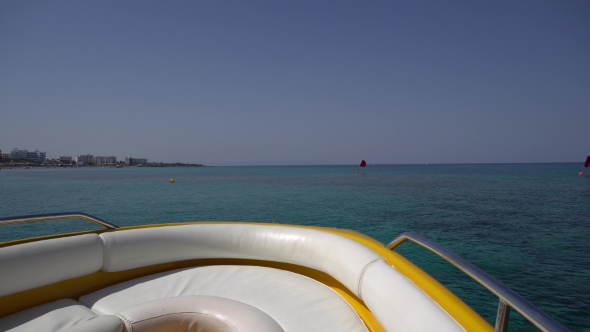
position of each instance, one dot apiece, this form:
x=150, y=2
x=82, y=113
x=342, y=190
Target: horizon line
x=399, y=164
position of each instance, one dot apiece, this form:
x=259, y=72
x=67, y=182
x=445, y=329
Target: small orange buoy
x=581, y=174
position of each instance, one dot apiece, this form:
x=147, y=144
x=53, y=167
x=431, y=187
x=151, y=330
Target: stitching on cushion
x=106, y=257
x=127, y=322
x=199, y=312
x=360, y=280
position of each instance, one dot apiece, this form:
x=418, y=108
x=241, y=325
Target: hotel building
x=37, y=156
x=135, y=161
x=84, y=159
x=98, y=160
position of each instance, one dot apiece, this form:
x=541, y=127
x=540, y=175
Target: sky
x=298, y=82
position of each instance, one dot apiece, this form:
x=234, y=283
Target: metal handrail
x=507, y=297
x=56, y=216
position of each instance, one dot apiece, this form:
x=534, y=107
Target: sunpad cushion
x=197, y=313
x=50, y=317
x=296, y=302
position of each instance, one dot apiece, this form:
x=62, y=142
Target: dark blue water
x=528, y=225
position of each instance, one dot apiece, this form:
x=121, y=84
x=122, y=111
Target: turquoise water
x=528, y=225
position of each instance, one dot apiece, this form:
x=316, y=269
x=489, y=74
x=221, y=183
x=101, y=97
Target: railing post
x=502, y=317
x=508, y=298
x=56, y=216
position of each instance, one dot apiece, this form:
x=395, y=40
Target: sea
x=527, y=225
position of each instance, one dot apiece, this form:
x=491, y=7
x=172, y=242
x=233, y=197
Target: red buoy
x=581, y=174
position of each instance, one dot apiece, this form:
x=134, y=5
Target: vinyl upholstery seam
x=106, y=257
x=229, y=323
x=360, y=280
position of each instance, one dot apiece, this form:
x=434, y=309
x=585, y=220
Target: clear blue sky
x=298, y=82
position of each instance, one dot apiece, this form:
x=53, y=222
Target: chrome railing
x=56, y=216
x=507, y=298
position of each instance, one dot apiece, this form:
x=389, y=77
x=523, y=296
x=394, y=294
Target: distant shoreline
x=7, y=167
x=156, y=165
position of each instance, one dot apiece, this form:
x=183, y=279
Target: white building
x=5, y=156
x=18, y=154
x=37, y=156
x=99, y=160
x=84, y=159
x=135, y=161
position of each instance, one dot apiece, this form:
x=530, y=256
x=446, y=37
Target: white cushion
x=399, y=305
x=197, y=313
x=335, y=255
x=50, y=317
x=296, y=302
x=99, y=324
x=29, y=265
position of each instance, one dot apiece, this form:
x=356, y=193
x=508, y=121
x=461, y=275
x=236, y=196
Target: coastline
x=9, y=167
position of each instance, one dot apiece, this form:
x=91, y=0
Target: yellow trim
x=67, y=216
x=46, y=237
x=463, y=314
x=449, y=302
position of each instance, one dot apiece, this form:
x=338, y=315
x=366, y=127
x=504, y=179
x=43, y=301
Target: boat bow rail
x=57, y=216
x=507, y=298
